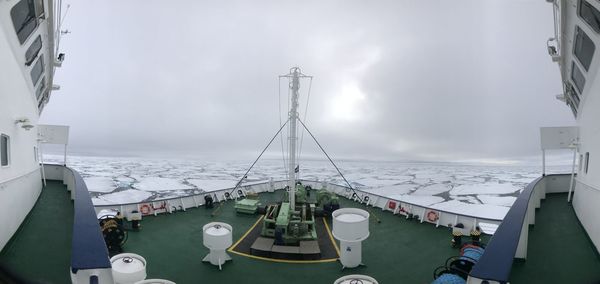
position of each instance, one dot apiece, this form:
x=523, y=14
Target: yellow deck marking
x=245, y=234
x=231, y=249
x=284, y=260
x=331, y=237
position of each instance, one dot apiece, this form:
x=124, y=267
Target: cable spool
x=113, y=233
x=240, y=192
x=227, y=195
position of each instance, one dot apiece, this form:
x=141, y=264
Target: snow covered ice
x=477, y=190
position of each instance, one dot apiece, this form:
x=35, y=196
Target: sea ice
x=497, y=200
x=422, y=200
x=480, y=210
x=432, y=189
x=485, y=188
x=125, y=196
x=100, y=184
x=159, y=184
x=212, y=184
x=400, y=189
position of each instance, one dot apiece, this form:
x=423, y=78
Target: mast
x=293, y=115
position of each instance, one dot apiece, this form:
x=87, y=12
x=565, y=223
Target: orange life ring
x=432, y=216
x=145, y=209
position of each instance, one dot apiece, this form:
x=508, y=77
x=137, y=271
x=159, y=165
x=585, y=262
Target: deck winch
x=113, y=232
x=457, y=268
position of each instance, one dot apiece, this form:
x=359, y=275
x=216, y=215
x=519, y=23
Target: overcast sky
x=393, y=80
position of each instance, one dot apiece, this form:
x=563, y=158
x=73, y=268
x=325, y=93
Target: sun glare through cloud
x=346, y=106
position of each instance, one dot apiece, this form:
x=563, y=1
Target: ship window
x=33, y=50
x=39, y=9
x=573, y=108
x=574, y=94
x=24, y=19
x=584, y=48
x=587, y=161
x=35, y=153
x=580, y=162
x=590, y=15
x=4, y=148
x=577, y=77
x=37, y=70
x=40, y=89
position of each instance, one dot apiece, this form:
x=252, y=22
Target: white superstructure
x=28, y=32
x=575, y=48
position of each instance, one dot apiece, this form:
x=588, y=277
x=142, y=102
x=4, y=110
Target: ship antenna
x=294, y=76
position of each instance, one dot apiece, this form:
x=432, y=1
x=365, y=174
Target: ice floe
x=159, y=184
x=212, y=184
x=497, y=200
x=480, y=210
x=485, y=188
x=100, y=184
x=422, y=200
x=432, y=189
x=121, y=197
x=462, y=188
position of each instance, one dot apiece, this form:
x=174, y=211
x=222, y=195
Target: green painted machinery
x=289, y=227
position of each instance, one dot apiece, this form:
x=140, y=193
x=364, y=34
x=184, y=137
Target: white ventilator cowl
x=128, y=268
x=217, y=237
x=155, y=281
x=350, y=227
x=355, y=278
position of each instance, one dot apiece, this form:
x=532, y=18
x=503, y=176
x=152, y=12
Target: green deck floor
x=398, y=250
x=41, y=249
x=559, y=250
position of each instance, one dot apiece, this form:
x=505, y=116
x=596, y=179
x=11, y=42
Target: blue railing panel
x=496, y=262
x=88, y=250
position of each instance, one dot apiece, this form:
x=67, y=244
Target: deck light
x=25, y=123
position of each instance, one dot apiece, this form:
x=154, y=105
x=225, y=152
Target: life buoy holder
x=145, y=209
x=432, y=216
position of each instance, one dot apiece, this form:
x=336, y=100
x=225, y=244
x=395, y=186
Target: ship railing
x=398, y=206
x=510, y=240
x=554, y=43
x=90, y=260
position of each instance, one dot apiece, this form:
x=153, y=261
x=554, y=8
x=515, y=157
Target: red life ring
x=145, y=209
x=432, y=216
x=392, y=204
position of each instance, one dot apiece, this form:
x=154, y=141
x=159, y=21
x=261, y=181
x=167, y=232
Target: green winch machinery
x=290, y=224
